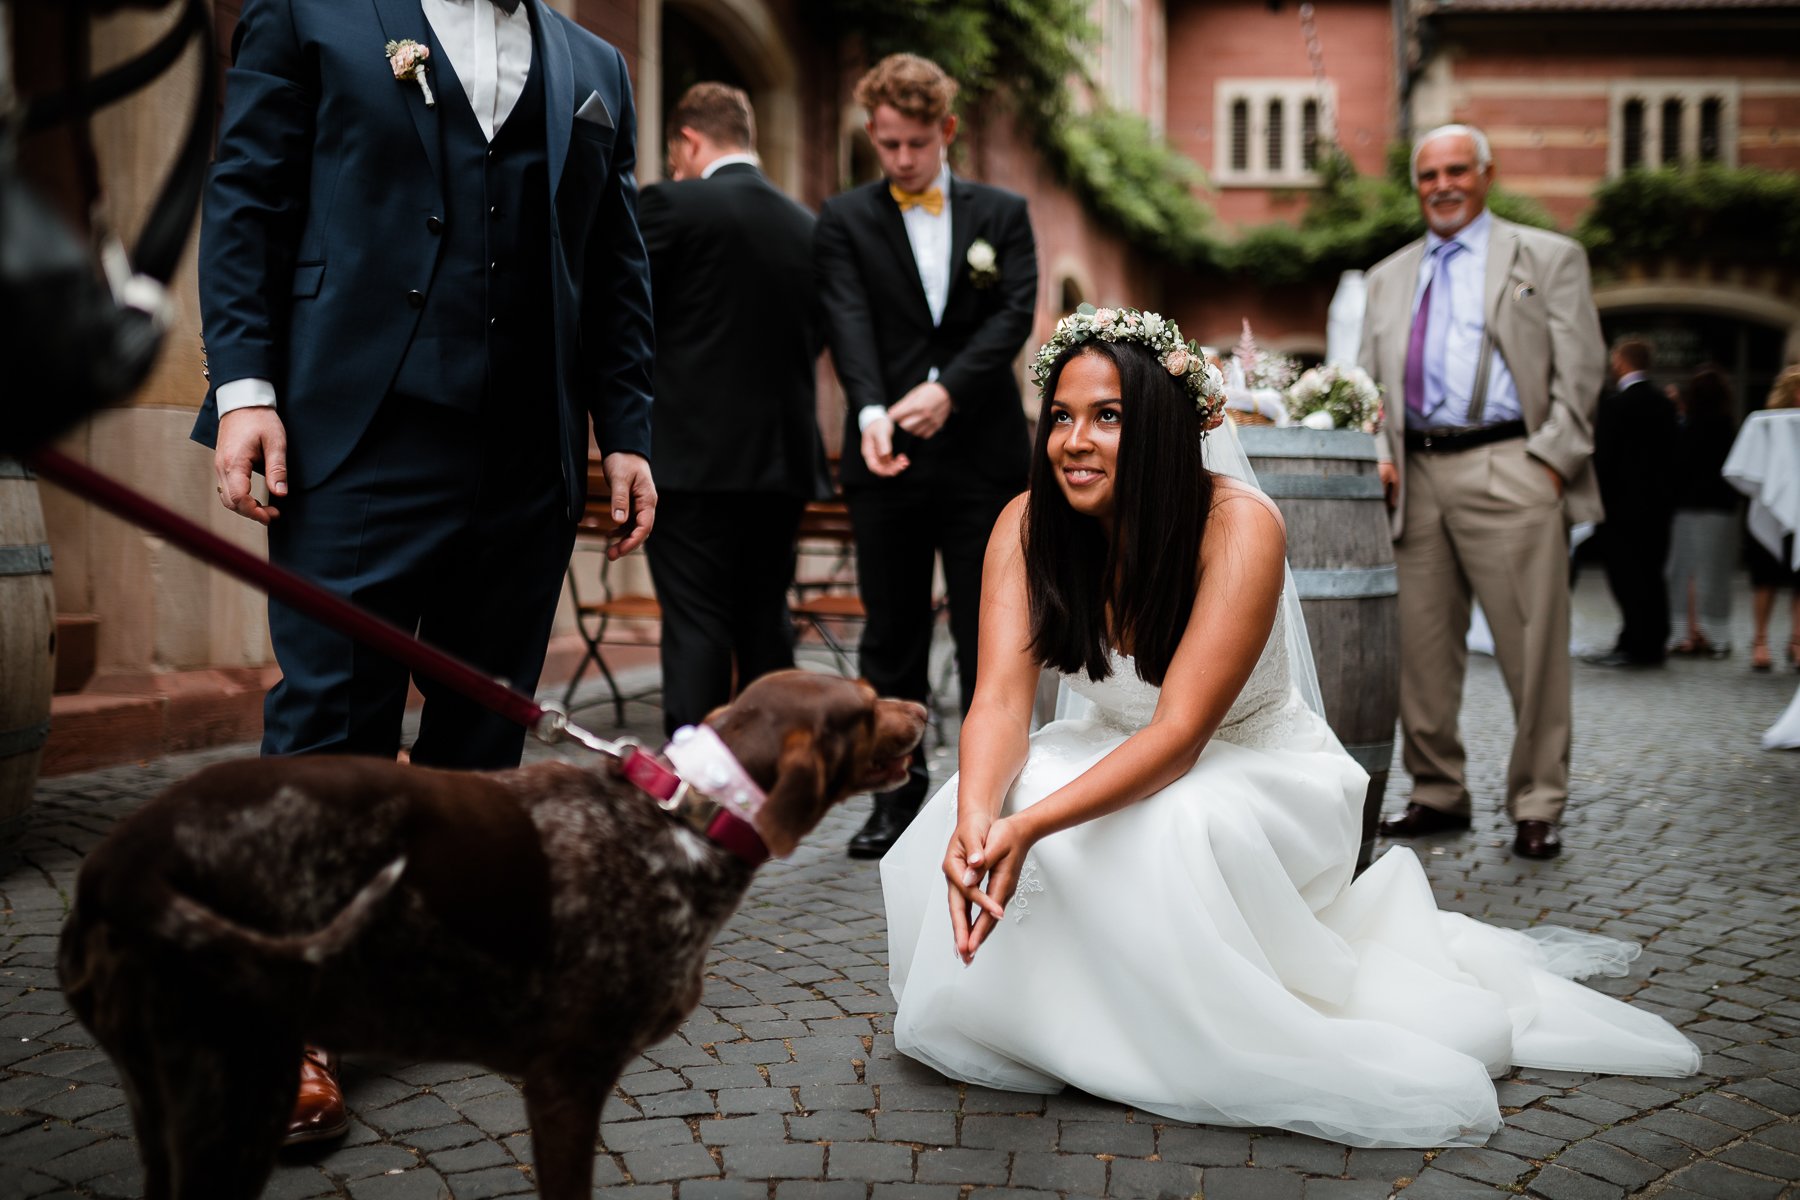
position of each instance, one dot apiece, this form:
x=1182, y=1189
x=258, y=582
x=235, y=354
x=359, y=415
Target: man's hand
x=633, y=499
x=1390, y=483
x=922, y=411
x=878, y=450
x=251, y=439
x=1555, y=479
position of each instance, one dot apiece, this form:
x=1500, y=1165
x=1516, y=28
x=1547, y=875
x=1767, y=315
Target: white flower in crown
x=984, y=263
x=1162, y=336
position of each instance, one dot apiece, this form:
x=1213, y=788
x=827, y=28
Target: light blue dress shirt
x=1452, y=352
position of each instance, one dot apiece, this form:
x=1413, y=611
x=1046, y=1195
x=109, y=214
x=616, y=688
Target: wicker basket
x=1240, y=417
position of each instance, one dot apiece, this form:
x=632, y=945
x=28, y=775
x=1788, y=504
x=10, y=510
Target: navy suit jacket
x=320, y=220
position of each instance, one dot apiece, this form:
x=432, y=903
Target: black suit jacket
x=1637, y=455
x=738, y=327
x=884, y=344
x=323, y=212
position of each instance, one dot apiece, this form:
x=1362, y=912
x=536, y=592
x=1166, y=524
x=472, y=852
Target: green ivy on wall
x=1025, y=53
x=1743, y=214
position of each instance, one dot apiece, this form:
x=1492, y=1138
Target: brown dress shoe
x=1537, y=839
x=319, y=1112
x=1419, y=820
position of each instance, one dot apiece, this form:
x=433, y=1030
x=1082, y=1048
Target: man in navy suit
x=420, y=276
x=929, y=284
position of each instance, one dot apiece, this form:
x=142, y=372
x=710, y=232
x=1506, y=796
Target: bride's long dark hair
x=1146, y=571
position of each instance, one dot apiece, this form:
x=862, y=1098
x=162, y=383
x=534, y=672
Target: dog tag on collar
x=707, y=765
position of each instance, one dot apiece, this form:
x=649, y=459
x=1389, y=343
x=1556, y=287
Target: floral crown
x=1153, y=330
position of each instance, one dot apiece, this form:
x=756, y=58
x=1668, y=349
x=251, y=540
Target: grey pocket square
x=593, y=110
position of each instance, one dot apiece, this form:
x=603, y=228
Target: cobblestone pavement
x=785, y=1085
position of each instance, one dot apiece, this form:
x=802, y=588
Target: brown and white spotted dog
x=549, y=922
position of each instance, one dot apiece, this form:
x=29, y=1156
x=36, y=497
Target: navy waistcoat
x=485, y=338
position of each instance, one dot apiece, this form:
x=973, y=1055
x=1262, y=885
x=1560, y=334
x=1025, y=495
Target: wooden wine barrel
x=1326, y=484
x=27, y=643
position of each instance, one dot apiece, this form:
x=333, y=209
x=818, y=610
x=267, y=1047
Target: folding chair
x=605, y=613
x=824, y=597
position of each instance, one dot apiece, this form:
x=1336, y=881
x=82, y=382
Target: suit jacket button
x=416, y=299
x=434, y=225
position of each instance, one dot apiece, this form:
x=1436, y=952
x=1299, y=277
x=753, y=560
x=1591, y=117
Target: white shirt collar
x=1631, y=377
x=729, y=160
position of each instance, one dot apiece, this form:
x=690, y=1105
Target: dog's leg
x=563, y=1106
x=227, y=1094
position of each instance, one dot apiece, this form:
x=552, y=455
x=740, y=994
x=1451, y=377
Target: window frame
x=1654, y=96
x=1291, y=95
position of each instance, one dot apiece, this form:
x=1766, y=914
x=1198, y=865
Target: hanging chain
x=1315, y=53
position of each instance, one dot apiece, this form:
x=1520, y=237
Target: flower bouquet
x=1336, y=397
x=1256, y=379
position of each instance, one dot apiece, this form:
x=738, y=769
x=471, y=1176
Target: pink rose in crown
x=1175, y=362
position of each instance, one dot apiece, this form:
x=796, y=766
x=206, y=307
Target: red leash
x=548, y=722
x=304, y=595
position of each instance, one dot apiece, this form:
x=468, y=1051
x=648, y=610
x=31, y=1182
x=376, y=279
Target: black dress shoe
x=1419, y=820
x=1537, y=839
x=883, y=828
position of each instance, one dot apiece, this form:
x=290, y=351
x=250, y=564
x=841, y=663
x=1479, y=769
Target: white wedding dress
x=1203, y=954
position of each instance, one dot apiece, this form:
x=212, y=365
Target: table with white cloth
x=1764, y=464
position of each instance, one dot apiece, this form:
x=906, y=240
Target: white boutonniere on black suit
x=984, y=263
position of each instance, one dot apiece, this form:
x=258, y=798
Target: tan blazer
x=1540, y=313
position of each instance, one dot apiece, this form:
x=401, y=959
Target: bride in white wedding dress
x=1154, y=903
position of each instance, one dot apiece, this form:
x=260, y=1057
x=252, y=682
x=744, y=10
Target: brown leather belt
x=1449, y=441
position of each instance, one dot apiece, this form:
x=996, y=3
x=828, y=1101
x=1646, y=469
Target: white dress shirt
x=491, y=54
x=929, y=236
x=490, y=50
x=1447, y=407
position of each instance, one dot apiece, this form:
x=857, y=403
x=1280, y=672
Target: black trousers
x=446, y=522
x=1635, y=551
x=722, y=563
x=901, y=531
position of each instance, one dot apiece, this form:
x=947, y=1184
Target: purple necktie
x=1414, y=382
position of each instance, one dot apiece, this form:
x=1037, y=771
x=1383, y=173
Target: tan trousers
x=1485, y=522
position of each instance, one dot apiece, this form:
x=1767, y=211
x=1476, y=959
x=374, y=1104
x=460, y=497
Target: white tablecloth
x=1764, y=464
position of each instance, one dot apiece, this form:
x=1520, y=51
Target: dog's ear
x=797, y=800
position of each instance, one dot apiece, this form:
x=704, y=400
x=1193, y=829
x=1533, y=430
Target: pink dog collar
x=708, y=790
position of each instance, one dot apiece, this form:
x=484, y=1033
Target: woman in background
x=1703, y=543
x=1769, y=574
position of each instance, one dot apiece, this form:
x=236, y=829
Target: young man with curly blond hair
x=929, y=284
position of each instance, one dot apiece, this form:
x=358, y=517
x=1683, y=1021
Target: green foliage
x=1133, y=181
x=1742, y=213
x=1025, y=52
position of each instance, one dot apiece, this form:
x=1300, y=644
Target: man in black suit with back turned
x=929, y=284
x=735, y=424
x=1635, y=460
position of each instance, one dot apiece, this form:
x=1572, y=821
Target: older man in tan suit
x=1485, y=337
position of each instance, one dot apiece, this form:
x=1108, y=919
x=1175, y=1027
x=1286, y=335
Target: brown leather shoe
x=1419, y=820
x=319, y=1112
x=1537, y=839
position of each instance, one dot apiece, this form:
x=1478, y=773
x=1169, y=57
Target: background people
x=412, y=309
x=929, y=283
x=1704, y=538
x=736, y=432
x=1769, y=574
x=1637, y=461
x=1485, y=333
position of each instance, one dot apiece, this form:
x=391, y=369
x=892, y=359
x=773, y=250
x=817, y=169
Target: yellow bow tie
x=931, y=199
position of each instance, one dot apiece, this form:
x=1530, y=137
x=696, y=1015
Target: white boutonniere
x=984, y=264
x=407, y=58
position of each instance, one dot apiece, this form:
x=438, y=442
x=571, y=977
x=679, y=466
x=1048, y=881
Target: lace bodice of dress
x=1263, y=708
